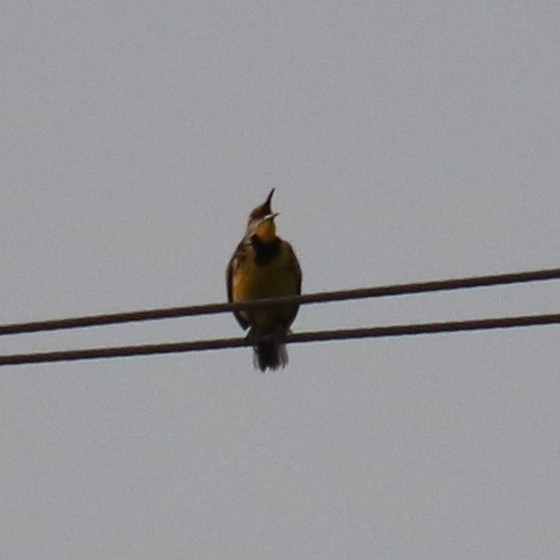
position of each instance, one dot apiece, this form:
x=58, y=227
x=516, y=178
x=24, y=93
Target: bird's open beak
x=267, y=202
x=269, y=217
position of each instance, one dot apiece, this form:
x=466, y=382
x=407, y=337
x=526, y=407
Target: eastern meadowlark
x=264, y=266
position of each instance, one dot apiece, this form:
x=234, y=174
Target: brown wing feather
x=297, y=270
x=229, y=282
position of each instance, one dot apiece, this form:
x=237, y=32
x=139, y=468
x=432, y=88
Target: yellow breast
x=280, y=277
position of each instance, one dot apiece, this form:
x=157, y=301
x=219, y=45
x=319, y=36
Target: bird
x=264, y=266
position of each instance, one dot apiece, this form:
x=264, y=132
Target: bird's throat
x=266, y=231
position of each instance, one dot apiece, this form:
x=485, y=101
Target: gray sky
x=407, y=141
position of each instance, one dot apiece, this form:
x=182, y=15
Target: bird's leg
x=278, y=334
x=253, y=336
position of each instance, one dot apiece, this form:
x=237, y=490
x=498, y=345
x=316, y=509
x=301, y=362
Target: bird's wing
x=229, y=282
x=298, y=277
x=297, y=268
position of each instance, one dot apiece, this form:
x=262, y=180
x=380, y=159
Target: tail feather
x=270, y=352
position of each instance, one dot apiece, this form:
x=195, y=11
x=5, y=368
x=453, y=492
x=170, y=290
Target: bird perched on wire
x=264, y=266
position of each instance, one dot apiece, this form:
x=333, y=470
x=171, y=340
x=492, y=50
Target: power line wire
x=319, y=297
x=312, y=336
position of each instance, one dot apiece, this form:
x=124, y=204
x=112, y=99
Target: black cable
x=314, y=336
x=320, y=297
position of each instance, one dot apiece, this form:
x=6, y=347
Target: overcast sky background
x=407, y=141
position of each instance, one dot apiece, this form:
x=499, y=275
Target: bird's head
x=261, y=222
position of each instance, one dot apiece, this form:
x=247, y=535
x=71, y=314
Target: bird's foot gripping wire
x=269, y=350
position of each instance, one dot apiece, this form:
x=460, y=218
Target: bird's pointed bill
x=268, y=201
